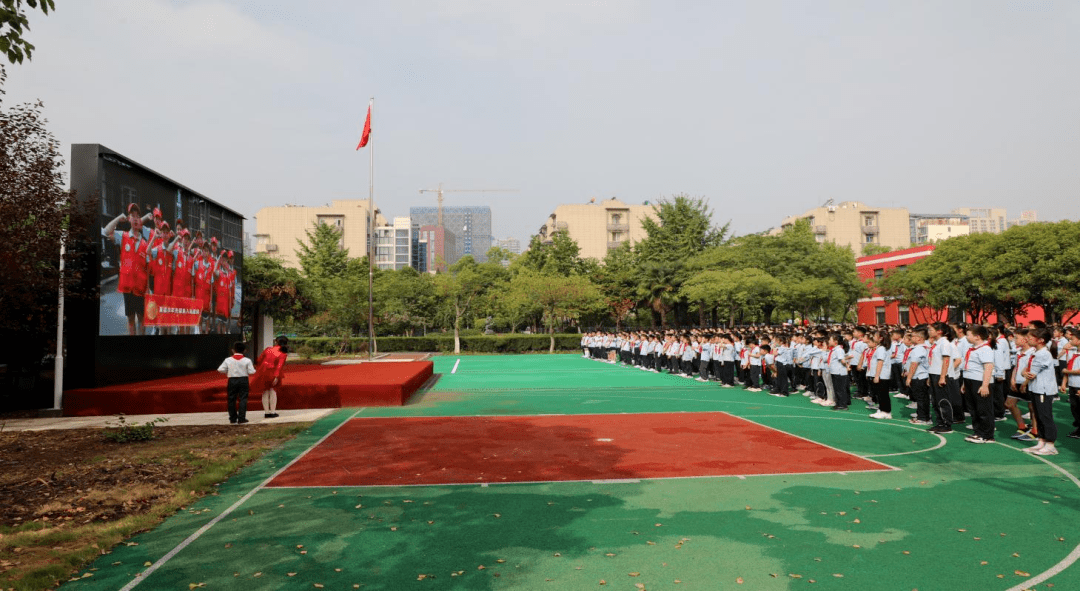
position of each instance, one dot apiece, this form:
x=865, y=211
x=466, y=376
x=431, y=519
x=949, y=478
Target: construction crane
x=440, y=192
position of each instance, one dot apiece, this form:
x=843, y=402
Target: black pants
x=880, y=392
x=956, y=398
x=920, y=393
x=1044, y=415
x=704, y=371
x=861, y=389
x=939, y=393
x=727, y=372
x=841, y=390
x=997, y=392
x=896, y=379
x=781, y=379
x=1074, y=406
x=238, y=397
x=982, y=409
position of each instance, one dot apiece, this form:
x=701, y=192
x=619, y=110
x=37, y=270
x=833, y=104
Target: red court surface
x=304, y=386
x=476, y=450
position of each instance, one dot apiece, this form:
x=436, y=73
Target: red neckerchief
x=970, y=351
x=238, y=356
x=1075, y=355
x=1030, y=359
x=907, y=353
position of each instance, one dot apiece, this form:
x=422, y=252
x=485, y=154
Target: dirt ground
x=76, y=486
x=77, y=476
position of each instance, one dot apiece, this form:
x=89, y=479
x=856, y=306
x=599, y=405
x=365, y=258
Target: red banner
x=163, y=310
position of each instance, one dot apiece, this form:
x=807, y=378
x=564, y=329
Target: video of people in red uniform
x=167, y=267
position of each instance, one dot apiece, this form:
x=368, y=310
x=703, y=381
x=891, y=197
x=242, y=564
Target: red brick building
x=878, y=310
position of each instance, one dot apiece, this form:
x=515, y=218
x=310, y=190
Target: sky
x=763, y=108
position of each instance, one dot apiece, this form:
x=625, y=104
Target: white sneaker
x=970, y=427
x=1049, y=450
x=885, y=415
x=1026, y=416
x=902, y=395
x=912, y=405
x=1034, y=449
x=876, y=415
x=828, y=403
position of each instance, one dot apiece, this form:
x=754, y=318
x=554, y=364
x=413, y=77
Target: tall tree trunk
x=457, y=331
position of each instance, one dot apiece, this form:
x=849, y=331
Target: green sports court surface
x=557, y=472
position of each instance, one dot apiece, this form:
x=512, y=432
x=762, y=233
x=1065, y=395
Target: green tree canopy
x=13, y=22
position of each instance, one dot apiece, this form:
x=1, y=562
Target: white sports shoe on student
x=1049, y=450
x=1037, y=448
x=828, y=403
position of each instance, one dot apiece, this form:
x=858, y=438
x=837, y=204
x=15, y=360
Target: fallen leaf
x=258, y=574
x=635, y=574
x=481, y=567
x=337, y=570
x=676, y=581
x=290, y=574
x=748, y=507
x=906, y=552
x=603, y=582
x=838, y=575
x=739, y=580
x=1022, y=573
x=984, y=563
x=857, y=520
x=856, y=546
x=609, y=554
x=961, y=530
x=557, y=554
x=319, y=585
x=1016, y=555
x=299, y=545
x=651, y=543
x=148, y=563
x=640, y=586
x=795, y=576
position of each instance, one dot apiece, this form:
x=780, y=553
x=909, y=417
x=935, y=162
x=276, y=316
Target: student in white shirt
x=1070, y=381
x=879, y=374
x=1043, y=388
x=978, y=374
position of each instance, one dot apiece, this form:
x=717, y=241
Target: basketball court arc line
x=838, y=450
x=1069, y=559
x=942, y=441
x=456, y=363
x=488, y=483
x=142, y=576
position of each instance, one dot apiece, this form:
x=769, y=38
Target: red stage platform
x=304, y=386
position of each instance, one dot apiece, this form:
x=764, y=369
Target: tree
x=274, y=290
x=560, y=298
x=322, y=256
x=13, y=22
x=658, y=286
x=460, y=288
x=870, y=249
x=407, y=300
x=36, y=212
x=561, y=256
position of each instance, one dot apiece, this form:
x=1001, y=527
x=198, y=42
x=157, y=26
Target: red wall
x=867, y=308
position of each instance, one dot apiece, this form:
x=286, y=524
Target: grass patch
x=39, y=555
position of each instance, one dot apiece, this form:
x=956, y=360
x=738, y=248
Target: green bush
x=440, y=343
x=125, y=433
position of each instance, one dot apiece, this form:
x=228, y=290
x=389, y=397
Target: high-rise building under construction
x=470, y=226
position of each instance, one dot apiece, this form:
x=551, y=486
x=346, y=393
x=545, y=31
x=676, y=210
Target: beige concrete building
x=984, y=219
x=855, y=224
x=598, y=226
x=927, y=228
x=278, y=229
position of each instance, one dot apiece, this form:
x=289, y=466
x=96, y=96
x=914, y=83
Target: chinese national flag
x=367, y=130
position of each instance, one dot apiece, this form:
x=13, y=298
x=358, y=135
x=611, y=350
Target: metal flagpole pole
x=374, y=241
x=58, y=364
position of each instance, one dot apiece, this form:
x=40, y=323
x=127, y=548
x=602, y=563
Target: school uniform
x=784, y=359
x=880, y=389
x=939, y=393
x=1072, y=362
x=838, y=374
x=896, y=355
x=727, y=364
x=1019, y=368
x=687, y=359
x=1044, y=391
x=754, y=368
x=857, y=355
x=918, y=356
x=1002, y=359
x=705, y=360
x=238, y=369
x=982, y=408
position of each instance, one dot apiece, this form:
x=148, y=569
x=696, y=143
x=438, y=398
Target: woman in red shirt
x=269, y=370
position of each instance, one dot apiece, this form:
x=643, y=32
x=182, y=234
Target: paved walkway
x=175, y=420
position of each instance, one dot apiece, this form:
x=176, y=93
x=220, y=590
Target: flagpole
x=374, y=240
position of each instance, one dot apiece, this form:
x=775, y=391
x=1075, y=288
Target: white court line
x=590, y=480
x=941, y=443
x=161, y=561
x=1072, y=556
x=894, y=468
x=455, y=366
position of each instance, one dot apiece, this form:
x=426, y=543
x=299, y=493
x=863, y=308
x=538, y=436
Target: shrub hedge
x=506, y=343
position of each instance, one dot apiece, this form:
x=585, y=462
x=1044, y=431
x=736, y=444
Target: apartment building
x=279, y=230
x=857, y=225
x=598, y=226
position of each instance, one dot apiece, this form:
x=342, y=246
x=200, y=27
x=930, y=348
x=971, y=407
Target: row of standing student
x=948, y=372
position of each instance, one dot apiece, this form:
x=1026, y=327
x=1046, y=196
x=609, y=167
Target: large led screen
x=170, y=259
